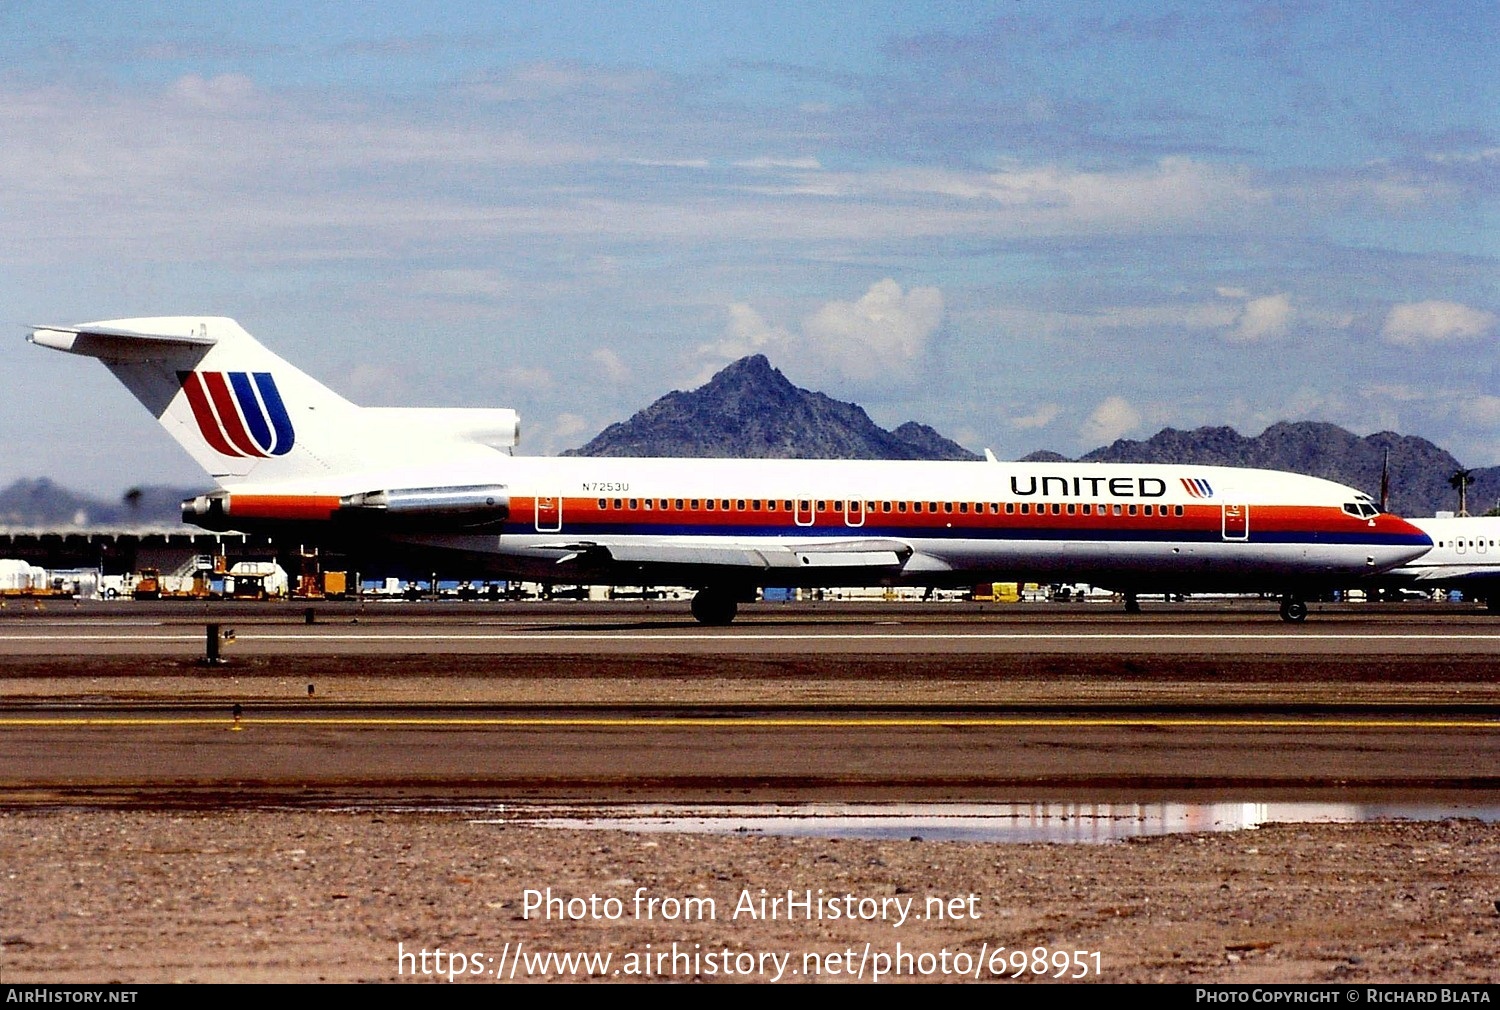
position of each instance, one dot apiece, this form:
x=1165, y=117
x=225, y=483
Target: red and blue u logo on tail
x=239, y=413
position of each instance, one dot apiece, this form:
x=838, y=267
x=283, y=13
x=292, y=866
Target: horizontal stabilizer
x=113, y=342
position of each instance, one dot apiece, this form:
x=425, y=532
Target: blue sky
x=1030, y=225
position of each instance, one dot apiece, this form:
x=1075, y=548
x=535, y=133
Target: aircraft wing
x=877, y=556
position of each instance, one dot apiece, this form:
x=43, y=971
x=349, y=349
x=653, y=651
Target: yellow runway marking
x=1277, y=634
x=731, y=722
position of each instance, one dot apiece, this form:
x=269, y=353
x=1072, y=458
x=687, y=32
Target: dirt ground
x=381, y=895
x=293, y=896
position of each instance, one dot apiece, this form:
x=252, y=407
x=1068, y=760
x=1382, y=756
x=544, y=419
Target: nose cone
x=1402, y=541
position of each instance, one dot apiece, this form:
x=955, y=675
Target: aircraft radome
x=294, y=459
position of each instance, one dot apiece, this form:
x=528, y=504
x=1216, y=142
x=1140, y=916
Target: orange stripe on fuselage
x=283, y=506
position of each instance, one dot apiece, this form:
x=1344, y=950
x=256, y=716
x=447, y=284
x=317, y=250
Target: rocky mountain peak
x=749, y=409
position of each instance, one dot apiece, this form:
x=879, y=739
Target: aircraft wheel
x=1293, y=610
x=1492, y=604
x=1132, y=604
x=715, y=607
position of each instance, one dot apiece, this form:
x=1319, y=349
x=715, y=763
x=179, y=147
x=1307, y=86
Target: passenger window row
x=809, y=506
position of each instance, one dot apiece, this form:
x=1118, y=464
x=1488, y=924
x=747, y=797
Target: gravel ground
x=293, y=896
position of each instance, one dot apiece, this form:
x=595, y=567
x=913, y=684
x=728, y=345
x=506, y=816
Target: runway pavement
x=445, y=703
x=612, y=629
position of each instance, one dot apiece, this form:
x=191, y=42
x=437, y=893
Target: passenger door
x=1236, y=522
x=549, y=514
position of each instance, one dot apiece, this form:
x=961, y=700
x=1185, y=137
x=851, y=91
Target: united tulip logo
x=239, y=413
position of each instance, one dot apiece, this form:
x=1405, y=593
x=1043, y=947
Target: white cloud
x=375, y=382
x=462, y=283
x=610, y=366
x=668, y=162
x=805, y=164
x=562, y=433
x=1481, y=409
x=1415, y=323
x=1187, y=315
x=879, y=341
x=881, y=338
x=544, y=80
x=568, y=424
x=224, y=91
x=1262, y=319
x=1201, y=315
x=522, y=377
x=1112, y=419
x=1155, y=198
x=749, y=330
x=1038, y=418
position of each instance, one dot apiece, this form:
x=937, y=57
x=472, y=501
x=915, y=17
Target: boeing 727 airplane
x=293, y=459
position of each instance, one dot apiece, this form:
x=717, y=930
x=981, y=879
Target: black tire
x=1132, y=604
x=1293, y=610
x=715, y=607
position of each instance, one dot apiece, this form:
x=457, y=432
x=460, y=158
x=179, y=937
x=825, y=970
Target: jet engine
x=431, y=508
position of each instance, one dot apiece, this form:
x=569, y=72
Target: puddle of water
x=990, y=822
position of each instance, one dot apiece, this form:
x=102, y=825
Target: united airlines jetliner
x=294, y=459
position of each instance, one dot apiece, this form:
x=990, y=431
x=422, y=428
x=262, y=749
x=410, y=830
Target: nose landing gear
x=1293, y=609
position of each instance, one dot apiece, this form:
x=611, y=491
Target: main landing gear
x=1293, y=609
x=715, y=606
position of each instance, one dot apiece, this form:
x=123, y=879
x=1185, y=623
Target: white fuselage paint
x=1242, y=528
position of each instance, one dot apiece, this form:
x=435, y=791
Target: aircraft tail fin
x=243, y=412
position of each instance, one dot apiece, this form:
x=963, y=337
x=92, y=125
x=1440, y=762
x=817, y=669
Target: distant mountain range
x=1418, y=475
x=750, y=410
x=40, y=502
